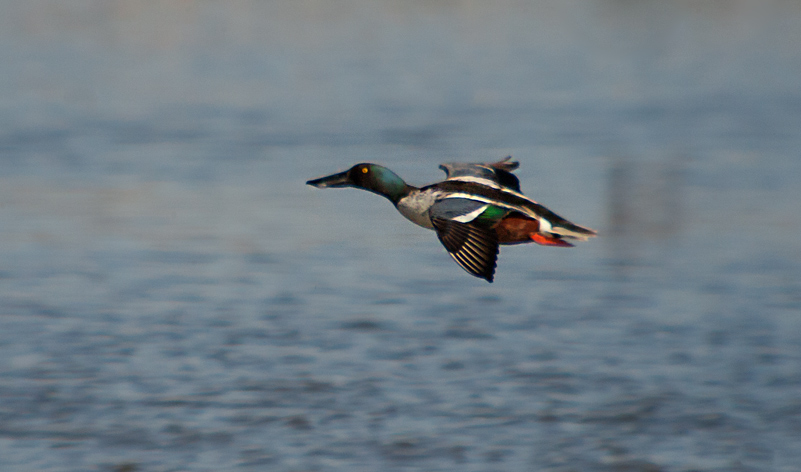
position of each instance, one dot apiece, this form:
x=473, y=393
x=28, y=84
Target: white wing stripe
x=476, y=180
x=468, y=217
x=545, y=225
x=479, y=198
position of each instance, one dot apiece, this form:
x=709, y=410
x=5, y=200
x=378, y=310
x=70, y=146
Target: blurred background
x=174, y=297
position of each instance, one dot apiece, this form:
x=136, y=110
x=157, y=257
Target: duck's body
x=476, y=208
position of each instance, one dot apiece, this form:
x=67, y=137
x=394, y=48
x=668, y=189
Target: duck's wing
x=493, y=174
x=472, y=244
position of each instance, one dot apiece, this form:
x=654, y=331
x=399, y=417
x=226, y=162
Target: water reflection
x=644, y=205
x=174, y=296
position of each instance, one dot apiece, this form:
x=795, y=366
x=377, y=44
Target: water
x=175, y=298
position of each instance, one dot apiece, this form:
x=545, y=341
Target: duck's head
x=370, y=177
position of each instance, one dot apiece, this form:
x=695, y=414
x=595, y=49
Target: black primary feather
x=472, y=246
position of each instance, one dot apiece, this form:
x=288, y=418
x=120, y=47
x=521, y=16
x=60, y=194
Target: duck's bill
x=336, y=180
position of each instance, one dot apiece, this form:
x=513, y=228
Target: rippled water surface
x=173, y=297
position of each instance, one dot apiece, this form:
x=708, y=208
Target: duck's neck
x=389, y=185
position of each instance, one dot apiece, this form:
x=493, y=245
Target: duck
x=477, y=208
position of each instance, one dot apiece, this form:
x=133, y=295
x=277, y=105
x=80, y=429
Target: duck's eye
x=365, y=170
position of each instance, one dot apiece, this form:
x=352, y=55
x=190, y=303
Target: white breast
x=415, y=207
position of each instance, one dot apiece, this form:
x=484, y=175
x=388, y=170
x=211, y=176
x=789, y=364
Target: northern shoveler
x=475, y=209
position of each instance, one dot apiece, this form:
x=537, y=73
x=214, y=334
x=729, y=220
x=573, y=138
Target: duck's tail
x=554, y=227
x=566, y=229
x=560, y=235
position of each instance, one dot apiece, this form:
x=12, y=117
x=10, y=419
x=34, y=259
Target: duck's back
x=495, y=174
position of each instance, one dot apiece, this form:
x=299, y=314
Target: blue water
x=173, y=297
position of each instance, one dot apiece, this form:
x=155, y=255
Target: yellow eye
x=365, y=170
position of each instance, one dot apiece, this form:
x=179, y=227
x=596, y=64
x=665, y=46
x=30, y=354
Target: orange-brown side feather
x=519, y=229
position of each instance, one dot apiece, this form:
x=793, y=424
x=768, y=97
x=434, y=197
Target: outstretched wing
x=472, y=244
x=494, y=174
